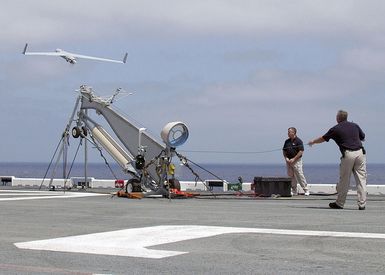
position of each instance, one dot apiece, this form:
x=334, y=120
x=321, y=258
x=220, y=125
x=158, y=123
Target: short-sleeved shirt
x=292, y=147
x=347, y=135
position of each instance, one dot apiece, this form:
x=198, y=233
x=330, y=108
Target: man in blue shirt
x=292, y=152
x=348, y=137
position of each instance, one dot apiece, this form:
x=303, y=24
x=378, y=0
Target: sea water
x=314, y=173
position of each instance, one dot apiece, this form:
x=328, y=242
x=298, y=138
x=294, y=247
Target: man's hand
x=289, y=161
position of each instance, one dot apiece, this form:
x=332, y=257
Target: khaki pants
x=353, y=162
x=295, y=171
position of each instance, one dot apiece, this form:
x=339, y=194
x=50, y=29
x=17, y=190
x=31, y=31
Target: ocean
x=315, y=173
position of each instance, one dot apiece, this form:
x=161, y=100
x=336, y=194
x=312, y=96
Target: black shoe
x=361, y=207
x=333, y=205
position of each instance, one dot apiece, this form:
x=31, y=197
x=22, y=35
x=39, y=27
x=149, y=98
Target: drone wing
x=71, y=57
x=99, y=58
x=40, y=53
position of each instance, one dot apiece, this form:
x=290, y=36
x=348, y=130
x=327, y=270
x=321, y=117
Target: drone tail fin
x=125, y=58
x=25, y=48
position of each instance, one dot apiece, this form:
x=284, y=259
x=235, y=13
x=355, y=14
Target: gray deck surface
x=234, y=253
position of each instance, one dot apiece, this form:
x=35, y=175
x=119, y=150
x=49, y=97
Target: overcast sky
x=238, y=73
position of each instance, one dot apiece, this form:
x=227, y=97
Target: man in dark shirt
x=348, y=137
x=292, y=152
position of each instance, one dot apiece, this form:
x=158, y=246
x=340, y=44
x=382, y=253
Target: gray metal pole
x=65, y=150
x=85, y=159
x=65, y=143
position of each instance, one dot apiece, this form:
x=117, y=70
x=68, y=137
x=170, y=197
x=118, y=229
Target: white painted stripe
x=47, y=195
x=134, y=242
x=23, y=191
x=30, y=194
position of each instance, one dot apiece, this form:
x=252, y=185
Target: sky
x=237, y=73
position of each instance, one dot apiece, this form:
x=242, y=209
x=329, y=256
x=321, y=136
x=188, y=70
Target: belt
x=351, y=150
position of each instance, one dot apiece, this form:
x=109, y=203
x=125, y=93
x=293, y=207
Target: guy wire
x=239, y=152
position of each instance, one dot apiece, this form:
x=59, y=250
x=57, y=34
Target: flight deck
x=82, y=232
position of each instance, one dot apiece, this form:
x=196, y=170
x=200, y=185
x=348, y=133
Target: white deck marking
x=17, y=195
x=134, y=242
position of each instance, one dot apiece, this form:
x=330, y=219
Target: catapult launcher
x=147, y=161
